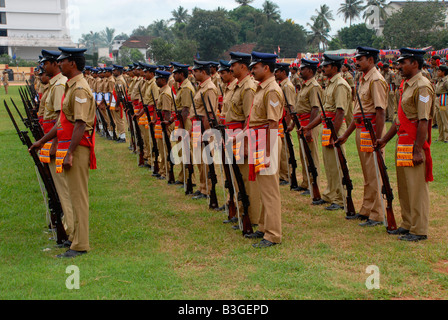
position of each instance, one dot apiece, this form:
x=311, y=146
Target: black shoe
x=236, y=227
x=255, y=235
x=264, y=244
x=357, y=216
x=318, y=202
x=435, y=126
x=155, y=175
x=196, y=193
x=161, y=177
x=178, y=182
x=306, y=193
x=370, y=223
x=120, y=140
x=201, y=196
x=231, y=220
x=334, y=206
x=71, y=254
x=412, y=237
x=283, y=182
x=400, y=230
x=65, y=244
x=222, y=208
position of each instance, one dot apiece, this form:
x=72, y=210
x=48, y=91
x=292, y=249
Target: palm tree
x=108, y=36
x=322, y=17
x=351, y=9
x=319, y=34
x=271, y=11
x=180, y=15
x=244, y=2
x=378, y=6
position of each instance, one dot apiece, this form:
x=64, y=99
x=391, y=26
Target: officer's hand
x=68, y=161
x=341, y=140
x=53, y=149
x=36, y=146
x=417, y=156
x=308, y=136
x=379, y=143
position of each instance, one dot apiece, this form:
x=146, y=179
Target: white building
x=28, y=26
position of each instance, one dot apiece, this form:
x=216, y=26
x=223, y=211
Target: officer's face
x=236, y=69
x=406, y=67
x=226, y=76
x=259, y=71
x=362, y=64
x=328, y=70
x=66, y=66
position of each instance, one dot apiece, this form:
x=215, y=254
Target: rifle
x=188, y=186
x=103, y=121
x=112, y=122
x=308, y=158
x=167, y=141
x=44, y=171
x=228, y=181
x=292, y=159
x=381, y=168
x=213, y=200
x=242, y=194
x=155, y=149
x=340, y=157
x=137, y=132
x=123, y=101
x=32, y=119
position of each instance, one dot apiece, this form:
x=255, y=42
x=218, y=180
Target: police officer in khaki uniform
x=117, y=108
x=441, y=102
x=184, y=104
x=74, y=130
x=345, y=72
x=413, y=154
x=388, y=76
x=265, y=113
x=236, y=115
x=308, y=109
x=336, y=98
x=207, y=89
x=281, y=74
x=52, y=103
x=372, y=91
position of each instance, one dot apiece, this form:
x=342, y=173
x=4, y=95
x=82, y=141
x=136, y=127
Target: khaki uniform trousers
x=371, y=204
x=391, y=106
x=271, y=205
x=334, y=192
x=181, y=176
x=284, y=163
x=77, y=178
x=313, y=147
x=443, y=121
x=119, y=121
x=146, y=141
x=349, y=112
x=253, y=192
x=413, y=193
x=64, y=197
x=106, y=118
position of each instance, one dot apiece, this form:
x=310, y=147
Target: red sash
x=304, y=119
x=65, y=133
x=257, y=150
x=407, y=133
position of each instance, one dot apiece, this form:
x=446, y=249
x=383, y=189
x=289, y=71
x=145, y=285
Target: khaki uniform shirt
x=135, y=93
x=216, y=79
x=372, y=92
x=442, y=86
x=184, y=94
x=149, y=86
x=165, y=101
x=120, y=81
x=418, y=98
x=268, y=103
x=208, y=90
x=53, y=101
x=289, y=91
x=228, y=91
x=41, y=111
x=307, y=98
x=337, y=94
x=241, y=100
x=78, y=102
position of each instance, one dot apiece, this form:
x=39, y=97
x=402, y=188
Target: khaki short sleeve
x=424, y=103
x=341, y=95
x=248, y=99
x=58, y=93
x=274, y=106
x=313, y=97
x=81, y=105
x=378, y=91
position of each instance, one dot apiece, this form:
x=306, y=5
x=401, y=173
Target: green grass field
x=150, y=241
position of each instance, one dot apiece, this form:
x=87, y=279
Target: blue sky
x=126, y=16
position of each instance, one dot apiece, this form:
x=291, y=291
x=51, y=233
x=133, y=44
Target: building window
x=3, y=50
x=2, y=17
x=3, y=33
x=2, y=3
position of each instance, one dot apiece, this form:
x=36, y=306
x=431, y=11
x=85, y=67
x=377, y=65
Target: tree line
x=208, y=34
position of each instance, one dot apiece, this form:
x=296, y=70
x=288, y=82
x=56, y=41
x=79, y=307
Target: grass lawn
x=150, y=241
